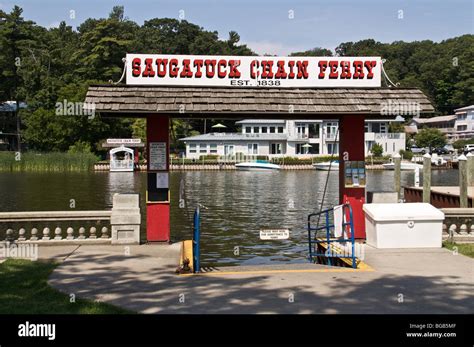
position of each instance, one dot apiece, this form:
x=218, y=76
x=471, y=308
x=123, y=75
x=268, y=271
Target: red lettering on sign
x=323, y=64
x=234, y=73
x=302, y=69
x=136, y=67
x=254, y=64
x=346, y=70
x=267, y=69
x=369, y=65
x=186, y=71
x=174, y=68
x=198, y=65
x=210, y=67
x=291, y=65
x=333, y=73
x=148, y=72
x=221, y=71
x=358, y=69
x=161, y=67
x=281, y=73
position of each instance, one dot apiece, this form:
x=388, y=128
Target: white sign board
x=157, y=156
x=248, y=71
x=162, y=180
x=274, y=234
x=124, y=141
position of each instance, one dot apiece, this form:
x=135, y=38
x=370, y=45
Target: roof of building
x=410, y=129
x=434, y=119
x=259, y=101
x=464, y=109
x=235, y=136
x=260, y=121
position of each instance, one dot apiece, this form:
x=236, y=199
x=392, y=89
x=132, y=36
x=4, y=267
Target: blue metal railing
x=196, y=240
x=328, y=227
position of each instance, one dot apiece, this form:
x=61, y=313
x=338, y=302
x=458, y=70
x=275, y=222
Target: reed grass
x=53, y=161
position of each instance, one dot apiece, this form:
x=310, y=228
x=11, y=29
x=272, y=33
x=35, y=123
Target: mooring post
x=462, y=181
x=397, y=159
x=470, y=169
x=427, y=178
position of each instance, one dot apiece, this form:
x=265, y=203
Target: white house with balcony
x=290, y=138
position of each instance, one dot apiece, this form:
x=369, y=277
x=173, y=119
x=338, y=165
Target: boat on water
x=258, y=165
x=406, y=166
x=327, y=165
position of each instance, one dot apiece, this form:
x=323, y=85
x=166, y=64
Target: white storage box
x=412, y=225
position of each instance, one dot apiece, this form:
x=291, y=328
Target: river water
x=238, y=204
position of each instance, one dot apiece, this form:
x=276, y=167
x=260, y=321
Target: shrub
x=376, y=150
x=407, y=155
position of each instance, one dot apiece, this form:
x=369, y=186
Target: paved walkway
x=142, y=278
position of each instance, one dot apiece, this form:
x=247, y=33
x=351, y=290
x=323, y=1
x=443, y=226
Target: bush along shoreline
x=53, y=161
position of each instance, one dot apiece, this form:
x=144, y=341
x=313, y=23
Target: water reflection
x=238, y=204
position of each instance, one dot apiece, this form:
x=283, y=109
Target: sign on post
x=274, y=234
x=249, y=71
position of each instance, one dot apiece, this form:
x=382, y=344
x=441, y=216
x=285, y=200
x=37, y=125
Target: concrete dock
x=142, y=278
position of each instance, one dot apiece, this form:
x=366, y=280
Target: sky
x=279, y=26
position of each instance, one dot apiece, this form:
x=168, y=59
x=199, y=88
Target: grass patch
x=462, y=248
x=54, y=161
x=24, y=290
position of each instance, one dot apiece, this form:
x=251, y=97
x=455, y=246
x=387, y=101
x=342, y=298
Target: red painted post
x=158, y=201
x=352, y=149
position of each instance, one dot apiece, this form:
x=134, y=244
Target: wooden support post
x=427, y=178
x=397, y=159
x=462, y=181
x=470, y=169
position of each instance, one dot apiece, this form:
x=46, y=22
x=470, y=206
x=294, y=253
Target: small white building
x=464, y=123
x=289, y=138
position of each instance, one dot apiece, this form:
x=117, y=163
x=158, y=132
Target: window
x=333, y=148
x=203, y=148
x=300, y=149
x=255, y=130
x=252, y=148
x=264, y=130
x=213, y=148
x=280, y=130
x=331, y=129
x=462, y=127
x=375, y=127
x=248, y=130
x=383, y=127
x=275, y=148
x=272, y=130
x=314, y=131
x=366, y=127
x=192, y=148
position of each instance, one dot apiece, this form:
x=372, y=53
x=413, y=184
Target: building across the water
x=290, y=138
x=458, y=126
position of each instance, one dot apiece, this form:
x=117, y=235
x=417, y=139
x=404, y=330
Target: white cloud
x=273, y=48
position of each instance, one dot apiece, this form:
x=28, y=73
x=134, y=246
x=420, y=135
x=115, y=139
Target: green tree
x=377, y=150
x=430, y=137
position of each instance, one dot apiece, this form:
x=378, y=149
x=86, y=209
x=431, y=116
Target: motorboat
x=406, y=166
x=327, y=165
x=258, y=165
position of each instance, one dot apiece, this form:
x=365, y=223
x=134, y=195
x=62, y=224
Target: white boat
x=406, y=166
x=259, y=165
x=326, y=166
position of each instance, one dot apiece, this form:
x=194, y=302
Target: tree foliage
x=430, y=138
x=45, y=66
